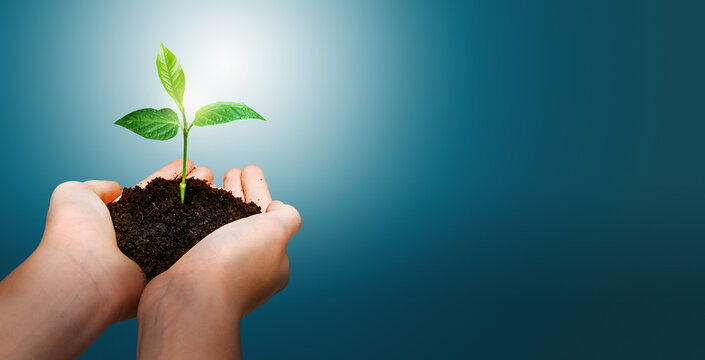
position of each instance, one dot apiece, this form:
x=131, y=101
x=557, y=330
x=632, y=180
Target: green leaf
x=171, y=75
x=152, y=123
x=223, y=112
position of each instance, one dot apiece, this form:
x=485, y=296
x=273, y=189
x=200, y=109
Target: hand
x=193, y=309
x=77, y=282
x=79, y=228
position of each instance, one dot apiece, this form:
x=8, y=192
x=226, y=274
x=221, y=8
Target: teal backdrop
x=478, y=180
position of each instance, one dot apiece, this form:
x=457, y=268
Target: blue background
x=486, y=179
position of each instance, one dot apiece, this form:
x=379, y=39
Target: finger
x=203, y=173
x=232, y=183
x=75, y=204
x=286, y=215
x=170, y=171
x=75, y=192
x=255, y=186
x=106, y=190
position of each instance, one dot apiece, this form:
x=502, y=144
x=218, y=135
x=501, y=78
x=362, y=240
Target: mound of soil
x=155, y=229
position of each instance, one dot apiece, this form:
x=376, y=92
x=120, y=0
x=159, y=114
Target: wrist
x=172, y=293
x=115, y=281
x=178, y=317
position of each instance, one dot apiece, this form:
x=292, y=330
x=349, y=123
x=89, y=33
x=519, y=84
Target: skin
x=193, y=310
x=77, y=282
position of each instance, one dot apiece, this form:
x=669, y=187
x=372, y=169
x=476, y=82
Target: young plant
x=163, y=124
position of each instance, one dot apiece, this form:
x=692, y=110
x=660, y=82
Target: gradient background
x=487, y=179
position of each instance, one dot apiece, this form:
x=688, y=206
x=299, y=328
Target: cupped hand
x=79, y=229
x=197, y=304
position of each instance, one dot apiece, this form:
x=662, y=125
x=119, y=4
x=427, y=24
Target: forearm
x=49, y=310
x=181, y=321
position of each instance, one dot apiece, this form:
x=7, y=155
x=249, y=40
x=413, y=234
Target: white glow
x=220, y=68
x=222, y=63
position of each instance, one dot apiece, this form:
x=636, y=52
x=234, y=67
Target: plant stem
x=182, y=186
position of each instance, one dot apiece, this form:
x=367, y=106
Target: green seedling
x=163, y=124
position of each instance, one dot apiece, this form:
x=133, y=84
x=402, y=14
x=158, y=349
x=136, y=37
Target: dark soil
x=155, y=229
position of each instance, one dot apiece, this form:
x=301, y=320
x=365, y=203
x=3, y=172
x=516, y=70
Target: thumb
x=106, y=190
x=73, y=192
x=81, y=205
x=286, y=214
